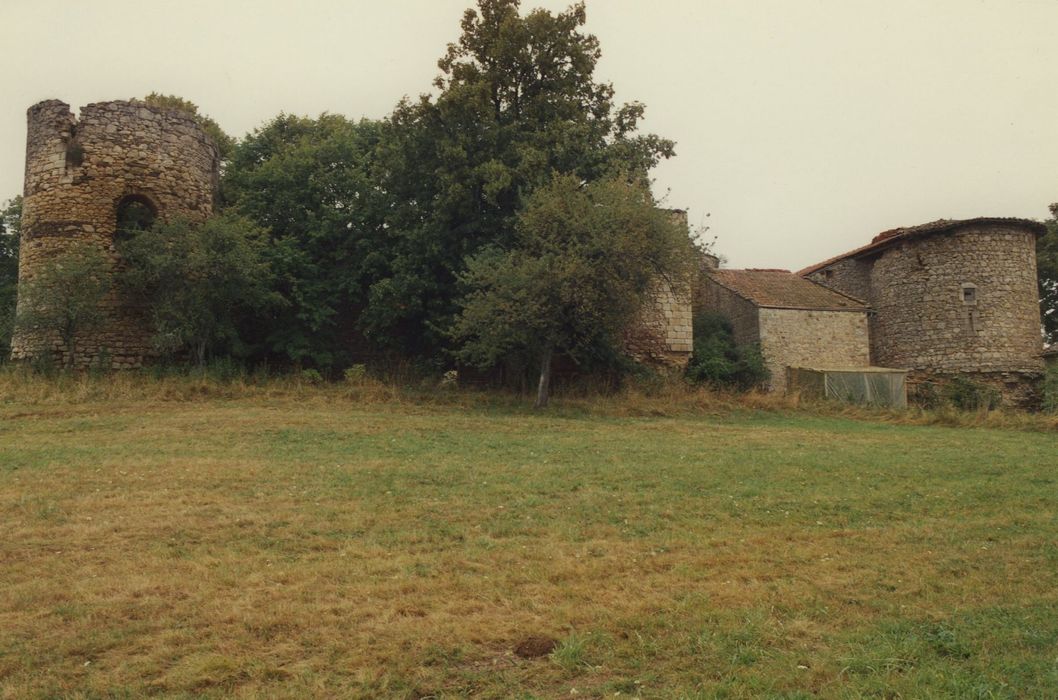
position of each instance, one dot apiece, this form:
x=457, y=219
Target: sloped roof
x=782, y=289
x=888, y=238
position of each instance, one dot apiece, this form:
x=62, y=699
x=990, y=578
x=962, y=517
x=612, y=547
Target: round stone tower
x=962, y=301
x=951, y=298
x=120, y=161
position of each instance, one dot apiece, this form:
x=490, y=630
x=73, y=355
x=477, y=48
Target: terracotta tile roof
x=782, y=289
x=887, y=238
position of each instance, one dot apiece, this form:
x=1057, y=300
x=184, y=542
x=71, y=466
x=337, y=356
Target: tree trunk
x=544, y=388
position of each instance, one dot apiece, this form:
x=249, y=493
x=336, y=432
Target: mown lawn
x=286, y=548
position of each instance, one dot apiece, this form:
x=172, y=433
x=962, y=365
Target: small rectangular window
x=969, y=294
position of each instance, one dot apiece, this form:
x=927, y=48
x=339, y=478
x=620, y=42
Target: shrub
x=355, y=374
x=718, y=361
x=311, y=376
x=967, y=395
x=925, y=395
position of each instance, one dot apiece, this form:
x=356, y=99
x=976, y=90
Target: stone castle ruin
x=119, y=165
x=942, y=299
x=122, y=165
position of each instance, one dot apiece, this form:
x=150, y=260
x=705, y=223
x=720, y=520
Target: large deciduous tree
x=583, y=261
x=517, y=101
x=309, y=182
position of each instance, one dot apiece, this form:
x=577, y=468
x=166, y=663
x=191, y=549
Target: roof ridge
x=782, y=289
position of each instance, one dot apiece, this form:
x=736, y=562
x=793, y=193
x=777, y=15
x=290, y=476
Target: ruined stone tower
x=119, y=162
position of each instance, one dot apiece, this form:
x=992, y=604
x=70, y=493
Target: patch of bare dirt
x=536, y=646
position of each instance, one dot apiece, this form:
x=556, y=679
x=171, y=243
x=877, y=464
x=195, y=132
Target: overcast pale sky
x=803, y=128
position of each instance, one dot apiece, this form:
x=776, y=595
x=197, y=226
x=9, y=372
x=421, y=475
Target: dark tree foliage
x=718, y=361
x=65, y=299
x=1047, y=268
x=10, y=231
x=199, y=282
x=309, y=182
x=517, y=103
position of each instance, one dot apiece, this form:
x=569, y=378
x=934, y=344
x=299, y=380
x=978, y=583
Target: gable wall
x=817, y=339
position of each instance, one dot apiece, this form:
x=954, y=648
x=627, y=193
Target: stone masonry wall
x=924, y=322
x=743, y=315
x=665, y=328
x=819, y=339
x=78, y=171
x=664, y=332
x=849, y=276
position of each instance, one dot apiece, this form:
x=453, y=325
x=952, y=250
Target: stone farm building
x=944, y=299
x=950, y=298
x=796, y=322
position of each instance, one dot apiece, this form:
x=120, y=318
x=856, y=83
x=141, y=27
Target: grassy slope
x=292, y=547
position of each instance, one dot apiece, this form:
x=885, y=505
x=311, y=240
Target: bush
x=355, y=374
x=718, y=361
x=967, y=395
x=311, y=376
x=925, y=395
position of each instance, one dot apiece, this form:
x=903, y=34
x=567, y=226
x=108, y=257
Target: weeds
x=571, y=653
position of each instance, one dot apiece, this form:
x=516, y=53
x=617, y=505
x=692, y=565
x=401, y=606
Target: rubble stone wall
x=78, y=172
x=960, y=303
x=812, y=338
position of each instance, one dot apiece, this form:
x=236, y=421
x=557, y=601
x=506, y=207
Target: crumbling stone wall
x=78, y=172
x=812, y=338
x=961, y=302
x=664, y=331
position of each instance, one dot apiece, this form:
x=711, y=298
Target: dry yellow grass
x=285, y=540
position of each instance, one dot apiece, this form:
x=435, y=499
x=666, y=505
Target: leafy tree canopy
x=225, y=143
x=517, y=102
x=199, y=282
x=584, y=260
x=65, y=298
x=310, y=183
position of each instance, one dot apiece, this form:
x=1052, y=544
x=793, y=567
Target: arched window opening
x=135, y=213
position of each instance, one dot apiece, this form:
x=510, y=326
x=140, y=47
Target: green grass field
x=293, y=546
